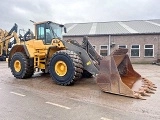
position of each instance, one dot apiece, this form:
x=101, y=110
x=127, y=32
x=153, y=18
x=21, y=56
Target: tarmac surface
x=84, y=99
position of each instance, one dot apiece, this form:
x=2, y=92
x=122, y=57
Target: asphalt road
x=39, y=98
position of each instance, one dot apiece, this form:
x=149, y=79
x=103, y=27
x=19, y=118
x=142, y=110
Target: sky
x=75, y=11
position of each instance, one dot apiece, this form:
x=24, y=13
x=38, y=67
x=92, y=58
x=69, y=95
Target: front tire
x=65, y=67
x=20, y=66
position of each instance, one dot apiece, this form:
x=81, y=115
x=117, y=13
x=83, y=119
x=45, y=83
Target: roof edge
x=112, y=34
x=111, y=21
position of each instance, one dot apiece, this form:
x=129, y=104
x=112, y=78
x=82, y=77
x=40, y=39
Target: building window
x=103, y=50
x=149, y=50
x=135, y=51
x=122, y=46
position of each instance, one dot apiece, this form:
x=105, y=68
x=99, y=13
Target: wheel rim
x=60, y=68
x=17, y=66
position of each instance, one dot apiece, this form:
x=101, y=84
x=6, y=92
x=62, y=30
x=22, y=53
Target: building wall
x=127, y=40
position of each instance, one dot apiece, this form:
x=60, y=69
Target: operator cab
x=47, y=31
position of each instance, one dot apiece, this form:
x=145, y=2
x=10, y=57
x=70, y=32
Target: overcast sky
x=75, y=11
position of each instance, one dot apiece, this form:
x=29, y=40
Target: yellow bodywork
x=37, y=50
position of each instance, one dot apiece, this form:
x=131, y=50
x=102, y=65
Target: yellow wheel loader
x=5, y=43
x=68, y=61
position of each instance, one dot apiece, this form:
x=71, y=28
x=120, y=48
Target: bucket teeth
x=142, y=92
x=150, y=87
x=146, y=94
x=149, y=83
x=146, y=89
x=138, y=96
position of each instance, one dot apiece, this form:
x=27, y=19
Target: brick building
x=141, y=37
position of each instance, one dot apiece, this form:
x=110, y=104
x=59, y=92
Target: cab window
x=48, y=36
x=41, y=32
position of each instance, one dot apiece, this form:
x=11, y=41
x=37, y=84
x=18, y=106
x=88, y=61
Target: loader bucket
x=117, y=76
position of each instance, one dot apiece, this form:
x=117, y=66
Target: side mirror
x=65, y=29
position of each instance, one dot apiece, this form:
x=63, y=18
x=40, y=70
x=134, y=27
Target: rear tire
x=20, y=66
x=65, y=67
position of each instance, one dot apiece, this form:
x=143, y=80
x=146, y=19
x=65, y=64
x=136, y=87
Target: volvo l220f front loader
x=68, y=61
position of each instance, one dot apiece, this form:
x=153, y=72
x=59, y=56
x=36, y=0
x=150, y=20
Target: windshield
x=56, y=30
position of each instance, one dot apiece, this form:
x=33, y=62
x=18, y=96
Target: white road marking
x=58, y=105
x=103, y=118
x=18, y=94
